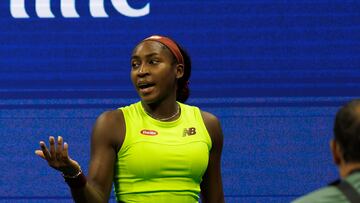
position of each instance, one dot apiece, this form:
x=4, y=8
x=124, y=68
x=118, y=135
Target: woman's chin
x=148, y=98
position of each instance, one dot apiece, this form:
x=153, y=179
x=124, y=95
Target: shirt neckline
x=162, y=123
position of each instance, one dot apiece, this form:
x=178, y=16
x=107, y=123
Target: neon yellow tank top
x=161, y=161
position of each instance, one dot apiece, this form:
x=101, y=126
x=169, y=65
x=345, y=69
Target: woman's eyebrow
x=146, y=56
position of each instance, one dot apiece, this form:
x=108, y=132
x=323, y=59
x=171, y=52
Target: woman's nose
x=143, y=70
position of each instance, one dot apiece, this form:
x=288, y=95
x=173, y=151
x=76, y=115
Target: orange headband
x=170, y=44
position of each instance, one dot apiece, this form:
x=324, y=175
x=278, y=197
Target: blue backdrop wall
x=274, y=72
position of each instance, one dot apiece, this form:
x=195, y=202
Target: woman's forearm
x=88, y=194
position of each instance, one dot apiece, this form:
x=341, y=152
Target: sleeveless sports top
x=161, y=161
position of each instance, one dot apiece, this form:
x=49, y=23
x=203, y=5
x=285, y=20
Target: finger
x=65, y=152
x=52, y=147
x=40, y=153
x=59, y=148
x=44, y=150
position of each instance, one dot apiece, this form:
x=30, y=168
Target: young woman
x=155, y=150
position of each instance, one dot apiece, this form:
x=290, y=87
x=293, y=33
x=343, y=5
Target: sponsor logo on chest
x=189, y=131
x=186, y=132
x=149, y=132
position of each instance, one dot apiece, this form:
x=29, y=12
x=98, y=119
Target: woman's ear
x=179, y=71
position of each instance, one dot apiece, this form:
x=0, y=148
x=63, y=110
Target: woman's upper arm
x=107, y=137
x=211, y=186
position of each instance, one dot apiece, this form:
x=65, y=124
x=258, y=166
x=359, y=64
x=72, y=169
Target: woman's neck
x=164, y=111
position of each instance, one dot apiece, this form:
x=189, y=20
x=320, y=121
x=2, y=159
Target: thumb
x=68, y=159
x=73, y=166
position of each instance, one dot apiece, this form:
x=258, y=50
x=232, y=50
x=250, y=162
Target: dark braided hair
x=183, y=90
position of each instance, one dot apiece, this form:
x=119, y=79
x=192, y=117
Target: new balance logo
x=189, y=132
x=68, y=10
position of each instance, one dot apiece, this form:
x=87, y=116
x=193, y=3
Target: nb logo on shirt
x=189, y=131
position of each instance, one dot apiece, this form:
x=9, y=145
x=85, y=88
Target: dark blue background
x=274, y=72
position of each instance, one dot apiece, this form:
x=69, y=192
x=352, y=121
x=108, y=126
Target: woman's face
x=154, y=72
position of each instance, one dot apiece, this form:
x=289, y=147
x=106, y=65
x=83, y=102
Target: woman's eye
x=154, y=61
x=135, y=64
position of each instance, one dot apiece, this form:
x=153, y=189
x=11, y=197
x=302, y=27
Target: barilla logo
x=149, y=132
x=68, y=10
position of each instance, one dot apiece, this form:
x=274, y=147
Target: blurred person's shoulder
x=329, y=194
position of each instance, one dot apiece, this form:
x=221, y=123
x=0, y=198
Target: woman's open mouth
x=146, y=88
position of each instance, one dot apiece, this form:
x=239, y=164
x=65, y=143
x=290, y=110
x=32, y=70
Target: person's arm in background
x=211, y=186
x=107, y=137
